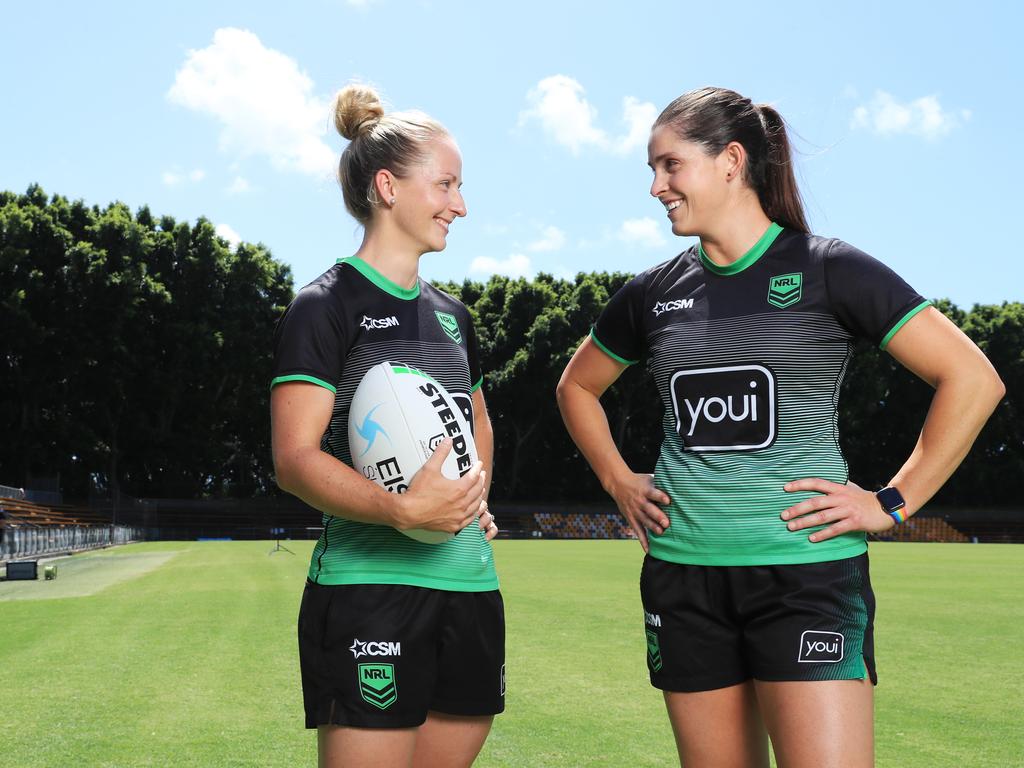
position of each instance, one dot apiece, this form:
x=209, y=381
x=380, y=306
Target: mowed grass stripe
x=194, y=663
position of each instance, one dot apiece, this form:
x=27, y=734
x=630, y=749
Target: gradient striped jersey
x=337, y=328
x=748, y=360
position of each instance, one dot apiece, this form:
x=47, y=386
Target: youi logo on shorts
x=372, y=323
x=662, y=307
x=820, y=647
x=375, y=648
x=730, y=408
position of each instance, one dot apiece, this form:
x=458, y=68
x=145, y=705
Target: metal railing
x=18, y=543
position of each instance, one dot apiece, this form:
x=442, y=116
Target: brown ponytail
x=713, y=117
x=779, y=193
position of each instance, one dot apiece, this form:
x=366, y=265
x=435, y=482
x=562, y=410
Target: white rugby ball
x=398, y=416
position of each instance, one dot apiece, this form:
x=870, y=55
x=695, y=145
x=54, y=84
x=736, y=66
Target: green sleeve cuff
x=303, y=377
x=608, y=352
x=476, y=386
x=901, y=323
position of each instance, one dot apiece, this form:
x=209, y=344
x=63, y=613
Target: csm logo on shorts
x=820, y=647
x=374, y=648
x=730, y=408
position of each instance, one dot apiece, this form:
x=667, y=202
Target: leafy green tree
x=136, y=350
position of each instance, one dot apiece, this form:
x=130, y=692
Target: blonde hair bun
x=357, y=108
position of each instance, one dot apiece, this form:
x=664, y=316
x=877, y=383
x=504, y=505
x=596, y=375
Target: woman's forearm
x=335, y=488
x=587, y=424
x=959, y=409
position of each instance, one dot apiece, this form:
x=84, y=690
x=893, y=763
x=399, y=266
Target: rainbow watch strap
x=899, y=514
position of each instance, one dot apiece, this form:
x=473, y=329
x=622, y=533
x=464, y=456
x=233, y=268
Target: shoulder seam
x=824, y=270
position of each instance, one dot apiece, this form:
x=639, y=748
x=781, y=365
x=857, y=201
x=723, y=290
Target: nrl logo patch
x=653, y=651
x=785, y=290
x=377, y=684
x=450, y=326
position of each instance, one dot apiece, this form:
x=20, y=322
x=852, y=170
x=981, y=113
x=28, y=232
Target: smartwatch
x=892, y=503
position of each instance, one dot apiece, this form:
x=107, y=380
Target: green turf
x=184, y=654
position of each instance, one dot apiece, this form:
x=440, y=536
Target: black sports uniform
x=429, y=632
x=748, y=360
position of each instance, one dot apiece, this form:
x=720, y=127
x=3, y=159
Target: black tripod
x=277, y=545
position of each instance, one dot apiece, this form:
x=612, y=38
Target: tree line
x=136, y=358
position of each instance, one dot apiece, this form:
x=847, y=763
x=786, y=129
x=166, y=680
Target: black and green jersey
x=748, y=360
x=337, y=328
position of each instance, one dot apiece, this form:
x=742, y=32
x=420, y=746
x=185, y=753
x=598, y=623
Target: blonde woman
x=401, y=643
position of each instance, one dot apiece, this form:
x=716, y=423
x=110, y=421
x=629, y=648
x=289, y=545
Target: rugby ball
x=398, y=416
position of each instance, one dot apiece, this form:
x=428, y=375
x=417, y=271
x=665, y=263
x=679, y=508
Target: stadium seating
x=923, y=529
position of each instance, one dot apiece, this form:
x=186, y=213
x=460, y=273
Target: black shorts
x=382, y=655
x=712, y=626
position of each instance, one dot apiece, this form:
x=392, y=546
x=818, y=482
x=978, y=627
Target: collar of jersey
x=379, y=280
x=748, y=258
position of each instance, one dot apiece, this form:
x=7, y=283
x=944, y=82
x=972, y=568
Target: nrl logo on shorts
x=450, y=326
x=653, y=651
x=377, y=684
x=785, y=290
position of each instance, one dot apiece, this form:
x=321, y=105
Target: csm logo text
x=662, y=307
x=375, y=648
x=652, y=619
x=371, y=323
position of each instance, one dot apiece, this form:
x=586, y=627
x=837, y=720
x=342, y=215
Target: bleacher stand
x=580, y=525
x=28, y=529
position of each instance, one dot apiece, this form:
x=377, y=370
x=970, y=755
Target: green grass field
x=183, y=654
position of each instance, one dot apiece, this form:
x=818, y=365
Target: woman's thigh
x=819, y=724
x=718, y=729
x=345, y=747
x=450, y=741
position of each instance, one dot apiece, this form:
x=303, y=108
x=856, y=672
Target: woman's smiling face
x=690, y=183
x=429, y=199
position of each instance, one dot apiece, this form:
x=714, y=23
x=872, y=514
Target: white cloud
x=174, y=178
x=645, y=232
x=640, y=115
x=924, y=116
x=238, y=186
x=233, y=238
x=559, y=104
x=264, y=103
x=516, y=265
x=552, y=239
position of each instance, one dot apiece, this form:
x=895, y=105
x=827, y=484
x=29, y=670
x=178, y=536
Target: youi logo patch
x=730, y=408
x=820, y=647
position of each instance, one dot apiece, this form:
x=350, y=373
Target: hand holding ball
x=398, y=417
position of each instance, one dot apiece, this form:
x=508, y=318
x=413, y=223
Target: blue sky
x=906, y=117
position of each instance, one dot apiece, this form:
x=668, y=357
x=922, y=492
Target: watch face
x=890, y=498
